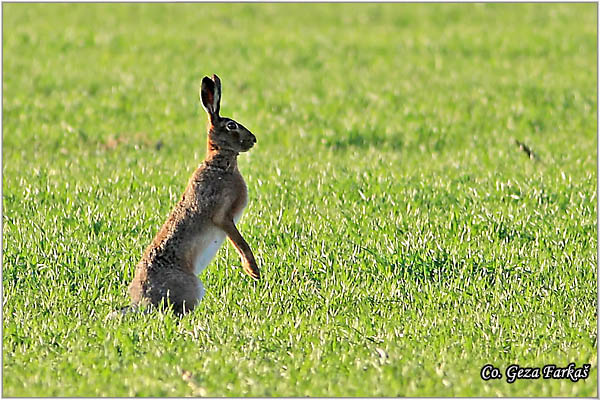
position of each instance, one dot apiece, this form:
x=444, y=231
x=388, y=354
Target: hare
x=211, y=205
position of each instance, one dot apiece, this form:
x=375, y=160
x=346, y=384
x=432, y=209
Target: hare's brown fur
x=213, y=201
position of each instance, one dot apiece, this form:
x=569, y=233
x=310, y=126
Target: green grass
x=404, y=239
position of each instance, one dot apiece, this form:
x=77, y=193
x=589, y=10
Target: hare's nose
x=253, y=139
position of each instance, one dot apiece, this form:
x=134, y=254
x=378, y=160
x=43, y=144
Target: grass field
x=404, y=238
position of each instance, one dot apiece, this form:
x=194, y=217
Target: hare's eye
x=231, y=126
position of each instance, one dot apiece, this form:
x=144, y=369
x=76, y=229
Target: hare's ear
x=210, y=95
x=217, y=93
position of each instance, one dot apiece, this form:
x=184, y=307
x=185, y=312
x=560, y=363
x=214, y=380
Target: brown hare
x=211, y=205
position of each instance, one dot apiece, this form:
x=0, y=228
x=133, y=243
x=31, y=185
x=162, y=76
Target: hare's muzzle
x=248, y=142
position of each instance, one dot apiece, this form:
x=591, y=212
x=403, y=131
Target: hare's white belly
x=208, y=243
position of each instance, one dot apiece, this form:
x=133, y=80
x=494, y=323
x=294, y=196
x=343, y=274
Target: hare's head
x=223, y=133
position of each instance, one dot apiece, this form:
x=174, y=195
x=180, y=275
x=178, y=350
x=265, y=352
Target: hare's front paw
x=251, y=269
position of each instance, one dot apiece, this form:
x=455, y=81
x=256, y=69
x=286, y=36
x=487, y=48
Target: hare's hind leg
x=182, y=290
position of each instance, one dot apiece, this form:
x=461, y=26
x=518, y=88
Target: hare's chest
x=238, y=209
x=208, y=242
x=241, y=200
